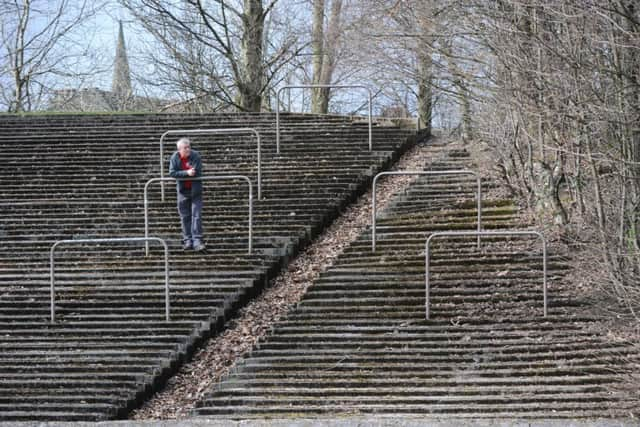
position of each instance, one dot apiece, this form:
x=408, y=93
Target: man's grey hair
x=183, y=141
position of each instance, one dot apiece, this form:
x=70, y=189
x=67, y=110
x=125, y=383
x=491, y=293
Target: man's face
x=184, y=150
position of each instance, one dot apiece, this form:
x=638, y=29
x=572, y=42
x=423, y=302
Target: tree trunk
x=466, y=119
x=317, y=50
x=599, y=204
x=324, y=46
x=17, y=105
x=252, y=70
x=425, y=93
x=546, y=186
x=425, y=74
x=467, y=126
x=331, y=46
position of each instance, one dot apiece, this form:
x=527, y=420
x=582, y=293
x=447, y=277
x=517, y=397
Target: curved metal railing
x=485, y=233
x=201, y=178
x=212, y=132
x=320, y=87
x=445, y=172
x=108, y=240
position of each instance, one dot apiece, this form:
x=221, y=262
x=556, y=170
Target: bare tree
x=233, y=63
x=418, y=50
x=37, y=45
x=560, y=108
x=553, y=87
x=325, y=46
x=386, y=50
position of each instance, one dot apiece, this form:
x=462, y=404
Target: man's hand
x=191, y=172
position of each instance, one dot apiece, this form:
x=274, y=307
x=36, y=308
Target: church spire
x=121, y=84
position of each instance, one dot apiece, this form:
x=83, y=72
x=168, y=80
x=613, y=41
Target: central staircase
x=359, y=343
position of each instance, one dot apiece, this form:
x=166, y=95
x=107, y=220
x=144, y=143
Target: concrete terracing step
x=79, y=177
x=359, y=342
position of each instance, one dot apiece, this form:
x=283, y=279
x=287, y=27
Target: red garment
x=185, y=166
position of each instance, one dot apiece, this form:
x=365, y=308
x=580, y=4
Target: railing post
x=373, y=213
x=429, y=173
x=162, y=164
x=52, y=282
x=484, y=233
x=278, y=118
x=200, y=178
x=146, y=215
x=370, y=116
x=369, y=98
x=259, y=167
x=250, y=216
x=427, y=259
x=167, y=301
x=544, y=272
x=479, y=207
x=108, y=240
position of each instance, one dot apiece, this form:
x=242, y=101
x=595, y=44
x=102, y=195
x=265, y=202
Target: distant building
x=119, y=98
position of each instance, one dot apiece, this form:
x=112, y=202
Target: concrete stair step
x=472, y=411
x=525, y=396
x=29, y=415
x=541, y=357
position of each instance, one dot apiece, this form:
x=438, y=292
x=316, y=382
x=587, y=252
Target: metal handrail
x=108, y=240
x=445, y=172
x=486, y=233
x=201, y=178
x=211, y=132
x=320, y=87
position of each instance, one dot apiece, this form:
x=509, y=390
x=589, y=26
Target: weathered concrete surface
x=358, y=342
x=110, y=346
x=371, y=421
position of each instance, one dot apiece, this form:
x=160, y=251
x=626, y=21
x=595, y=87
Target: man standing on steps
x=186, y=163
